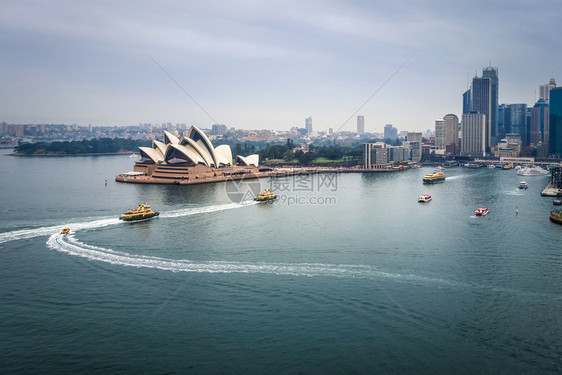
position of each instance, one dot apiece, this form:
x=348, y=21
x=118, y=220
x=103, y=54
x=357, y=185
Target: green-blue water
x=357, y=277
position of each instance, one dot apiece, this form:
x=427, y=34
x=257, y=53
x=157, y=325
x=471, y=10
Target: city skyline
x=267, y=65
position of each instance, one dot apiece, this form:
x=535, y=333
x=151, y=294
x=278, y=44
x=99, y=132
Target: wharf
x=181, y=177
x=551, y=191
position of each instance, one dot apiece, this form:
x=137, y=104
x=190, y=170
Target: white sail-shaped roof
x=202, y=151
x=201, y=139
x=224, y=153
x=248, y=160
x=169, y=138
x=160, y=147
x=151, y=153
x=181, y=154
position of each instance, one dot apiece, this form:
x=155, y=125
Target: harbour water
x=343, y=274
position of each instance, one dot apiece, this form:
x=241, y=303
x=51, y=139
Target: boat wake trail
x=106, y=221
x=70, y=245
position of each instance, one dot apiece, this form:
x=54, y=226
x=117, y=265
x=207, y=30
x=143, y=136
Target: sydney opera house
x=191, y=159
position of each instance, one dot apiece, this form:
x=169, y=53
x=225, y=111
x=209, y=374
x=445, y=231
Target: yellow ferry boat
x=434, y=178
x=65, y=230
x=143, y=212
x=266, y=196
x=556, y=217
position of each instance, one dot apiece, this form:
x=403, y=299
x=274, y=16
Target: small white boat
x=133, y=156
x=523, y=185
x=424, y=198
x=482, y=211
x=533, y=171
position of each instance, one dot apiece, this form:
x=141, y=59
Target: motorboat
x=65, y=230
x=142, y=212
x=424, y=198
x=438, y=169
x=482, y=211
x=523, y=185
x=556, y=217
x=532, y=171
x=266, y=196
x=434, y=178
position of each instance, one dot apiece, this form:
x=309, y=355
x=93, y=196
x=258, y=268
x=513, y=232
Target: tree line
x=332, y=152
x=91, y=146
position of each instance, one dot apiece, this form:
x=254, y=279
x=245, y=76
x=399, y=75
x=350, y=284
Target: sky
x=268, y=64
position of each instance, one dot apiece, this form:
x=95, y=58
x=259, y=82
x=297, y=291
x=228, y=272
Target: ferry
x=556, y=217
x=482, y=211
x=533, y=171
x=266, y=196
x=424, y=198
x=523, y=185
x=142, y=212
x=433, y=178
x=473, y=165
x=65, y=230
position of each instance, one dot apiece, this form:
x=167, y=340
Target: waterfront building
x=440, y=136
x=399, y=153
x=515, y=121
x=390, y=131
x=482, y=103
x=473, y=141
x=414, y=141
x=544, y=90
x=539, y=131
x=308, y=125
x=360, y=124
x=375, y=155
x=510, y=146
x=191, y=159
x=555, y=125
x=451, y=133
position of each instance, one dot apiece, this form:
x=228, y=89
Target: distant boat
x=533, y=171
x=433, y=178
x=473, y=165
x=523, y=185
x=424, y=198
x=556, y=217
x=143, y=212
x=65, y=230
x=266, y=196
x=482, y=211
x=133, y=156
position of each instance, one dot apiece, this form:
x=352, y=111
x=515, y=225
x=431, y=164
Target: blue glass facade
x=555, y=139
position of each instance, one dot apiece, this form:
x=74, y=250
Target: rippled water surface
x=344, y=274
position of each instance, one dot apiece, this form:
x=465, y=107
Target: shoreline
x=73, y=155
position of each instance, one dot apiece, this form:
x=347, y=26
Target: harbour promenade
x=195, y=175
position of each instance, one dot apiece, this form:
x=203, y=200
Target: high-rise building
x=308, y=125
x=501, y=121
x=414, y=140
x=544, y=90
x=555, y=136
x=440, y=135
x=390, y=131
x=482, y=103
x=515, y=121
x=492, y=73
x=451, y=133
x=466, y=102
x=473, y=141
x=539, y=131
x=375, y=155
x=360, y=124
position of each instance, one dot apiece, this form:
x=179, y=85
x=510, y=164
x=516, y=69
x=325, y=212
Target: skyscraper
x=308, y=125
x=440, y=134
x=360, y=124
x=515, y=121
x=466, y=102
x=539, y=122
x=482, y=103
x=473, y=141
x=544, y=90
x=492, y=73
x=451, y=133
x=555, y=138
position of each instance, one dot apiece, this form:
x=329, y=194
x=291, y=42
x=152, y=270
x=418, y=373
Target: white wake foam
x=70, y=245
x=105, y=221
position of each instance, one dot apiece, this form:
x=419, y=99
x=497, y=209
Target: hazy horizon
x=267, y=65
